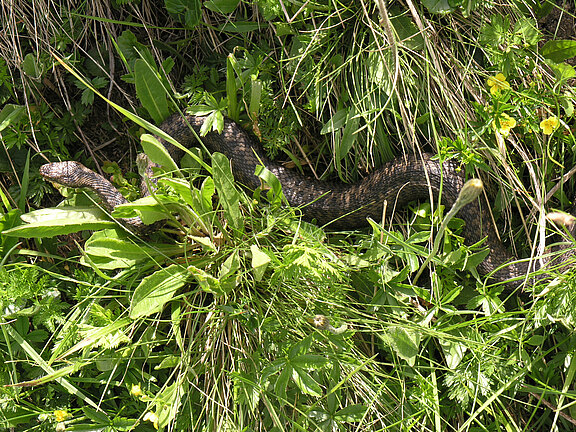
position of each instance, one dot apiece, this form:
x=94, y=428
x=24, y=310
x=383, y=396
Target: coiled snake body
x=341, y=205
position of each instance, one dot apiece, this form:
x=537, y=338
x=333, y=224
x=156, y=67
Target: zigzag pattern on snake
x=341, y=205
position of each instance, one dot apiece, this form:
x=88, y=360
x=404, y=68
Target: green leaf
x=408, y=34
x=51, y=222
x=260, y=261
x=110, y=250
x=282, y=382
x=336, y=122
x=232, y=89
x=98, y=417
x=349, y=136
x=306, y=383
x=242, y=27
x=150, y=91
x=230, y=266
x=438, y=6
x=157, y=289
x=224, y=7
x=559, y=50
x=208, y=282
x=186, y=11
x=563, y=71
x=150, y=209
x=275, y=194
x=157, y=152
x=453, y=352
x=10, y=115
x=352, y=413
x=31, y=67
x=309, y=361
x=229, y=195
x=405, y=343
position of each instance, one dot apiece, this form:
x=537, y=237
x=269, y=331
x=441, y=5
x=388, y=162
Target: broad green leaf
x=408, y=34
x=260, y=261
x=255, y=97
x=51, y=222
x=184, y=190
x=335, y=123
x=230, y=266
x=10, y=115
x=157, y=152
x=282, y=382
x=563, y=71
x=168, y=362
x=405, y=343
x=96, y=416
x=31, y=67
x=309, y=361
x=150, y=91
x=352, y=413
x=186, y=11
x=229, y=195
x=109, y=250
x=224, y=7
x=208, y=282
x=149, y=209
x=306, y=383
x=559, y=50
x=453, y=352
x=168, y=403
x=232, y=89
x=438, y=6
x=242, y=27
x=275, y=194
x=157, y=289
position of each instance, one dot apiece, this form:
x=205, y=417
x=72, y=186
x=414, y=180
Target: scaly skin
x=338, y=205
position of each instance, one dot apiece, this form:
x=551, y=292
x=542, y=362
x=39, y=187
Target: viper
x=335, y=204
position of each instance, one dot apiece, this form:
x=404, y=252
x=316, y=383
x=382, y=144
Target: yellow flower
x=61, y=415
x=136, y=390
x=151, y=417
x=549, y=125
x=506, y=123
x=498, y=83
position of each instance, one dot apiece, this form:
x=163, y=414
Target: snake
x=336, y=205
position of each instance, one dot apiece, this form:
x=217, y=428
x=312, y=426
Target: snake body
x=342, y=206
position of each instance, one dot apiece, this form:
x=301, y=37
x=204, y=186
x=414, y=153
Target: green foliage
x=24, y=293
x=234, y=313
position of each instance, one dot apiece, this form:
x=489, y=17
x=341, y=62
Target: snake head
x=69, y=173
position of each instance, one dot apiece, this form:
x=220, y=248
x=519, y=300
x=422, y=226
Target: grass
x=238, y=315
